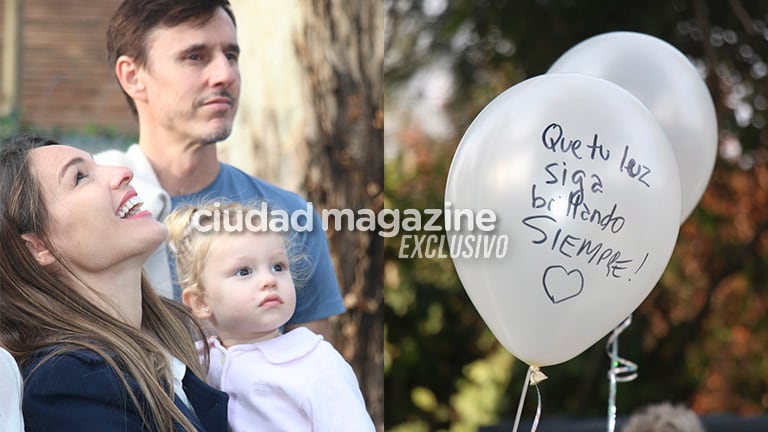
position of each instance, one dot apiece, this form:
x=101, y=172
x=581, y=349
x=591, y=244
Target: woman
x=99, y=350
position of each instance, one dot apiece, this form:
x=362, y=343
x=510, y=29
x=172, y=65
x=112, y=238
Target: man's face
x=192, y=81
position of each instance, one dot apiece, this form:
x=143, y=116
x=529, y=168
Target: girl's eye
x=79, y=177
x=279, y=267
x=242, y=271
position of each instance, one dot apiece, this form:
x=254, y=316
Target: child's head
x=236, y=278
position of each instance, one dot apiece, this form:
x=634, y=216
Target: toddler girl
x=237, y=275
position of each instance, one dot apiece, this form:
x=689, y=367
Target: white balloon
x=663, y=79
x=585, y=187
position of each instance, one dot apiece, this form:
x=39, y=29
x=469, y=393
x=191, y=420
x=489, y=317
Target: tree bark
x=311, y=120
x=342, y=51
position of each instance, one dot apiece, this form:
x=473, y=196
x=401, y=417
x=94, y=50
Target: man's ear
x=127, y=72
x=195, y=300
x=38, y=249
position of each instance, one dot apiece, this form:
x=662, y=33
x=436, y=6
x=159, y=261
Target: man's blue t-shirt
x=320, y=296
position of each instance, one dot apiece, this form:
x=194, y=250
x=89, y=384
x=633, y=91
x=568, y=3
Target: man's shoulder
x=262, y=189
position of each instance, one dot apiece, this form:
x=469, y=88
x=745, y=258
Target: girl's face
x=249, y=292
x=96, y=222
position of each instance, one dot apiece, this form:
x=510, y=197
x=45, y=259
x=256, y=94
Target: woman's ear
x=127, y=72
x=195, y=300
x=38, y=249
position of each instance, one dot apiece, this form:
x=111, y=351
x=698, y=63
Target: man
x=177, y=63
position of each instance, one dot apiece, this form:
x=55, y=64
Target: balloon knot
x=537, y=375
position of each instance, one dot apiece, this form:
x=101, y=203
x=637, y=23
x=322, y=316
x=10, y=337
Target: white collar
x=178, y=370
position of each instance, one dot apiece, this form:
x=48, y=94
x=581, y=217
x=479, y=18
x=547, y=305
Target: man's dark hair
x=135, y=19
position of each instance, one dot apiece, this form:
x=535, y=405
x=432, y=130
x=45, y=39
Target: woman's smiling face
x=95, y=219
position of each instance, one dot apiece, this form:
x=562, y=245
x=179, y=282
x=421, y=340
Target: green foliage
x=701, y=335
x=9, y=125
x=464, y=378
x=89, y=137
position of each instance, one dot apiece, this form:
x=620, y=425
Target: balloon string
x=533, y=377
x=538, y=407
x=522, y=398
x=621, y=370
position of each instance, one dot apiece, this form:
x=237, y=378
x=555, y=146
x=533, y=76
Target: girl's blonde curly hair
x=191, y=245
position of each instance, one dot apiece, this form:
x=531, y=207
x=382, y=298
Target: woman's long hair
x=39, y=309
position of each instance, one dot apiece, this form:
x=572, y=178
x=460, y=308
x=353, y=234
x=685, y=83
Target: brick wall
x=66, y=83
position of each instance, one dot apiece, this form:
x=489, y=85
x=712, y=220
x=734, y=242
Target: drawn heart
x=561, y=285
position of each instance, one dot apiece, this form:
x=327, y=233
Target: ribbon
x=621, y=370
x=533, y=377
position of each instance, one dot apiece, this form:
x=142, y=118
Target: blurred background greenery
x=700, y=337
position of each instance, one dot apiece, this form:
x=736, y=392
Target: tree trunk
x=343, y=52
x=311, y=120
